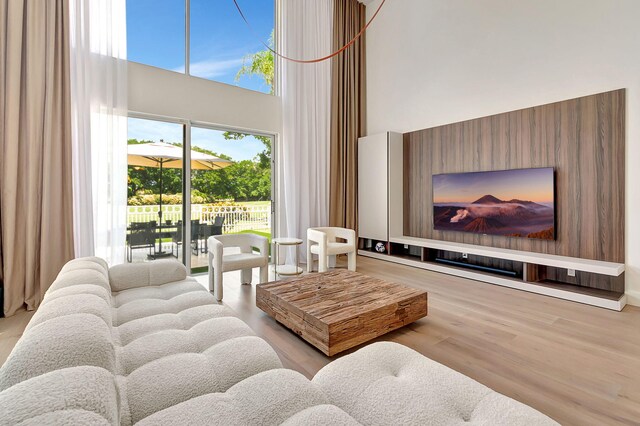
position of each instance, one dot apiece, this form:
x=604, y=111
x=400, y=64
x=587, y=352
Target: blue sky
x=244, y=149
x=219, y=37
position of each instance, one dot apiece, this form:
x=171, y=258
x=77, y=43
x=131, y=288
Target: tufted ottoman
x=387, y=383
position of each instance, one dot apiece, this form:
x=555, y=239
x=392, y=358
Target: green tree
x=242, y=181
x=264, y=158
x=260, y=64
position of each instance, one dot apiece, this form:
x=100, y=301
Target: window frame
x=187, y=52
x=186, y=169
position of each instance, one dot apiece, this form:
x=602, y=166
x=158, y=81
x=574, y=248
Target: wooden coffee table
x=339, y=309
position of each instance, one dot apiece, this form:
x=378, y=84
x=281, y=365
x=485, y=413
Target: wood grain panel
x=582, y=139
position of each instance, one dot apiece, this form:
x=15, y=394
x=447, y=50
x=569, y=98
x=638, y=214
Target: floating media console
x=533, y=272
x=463, y=264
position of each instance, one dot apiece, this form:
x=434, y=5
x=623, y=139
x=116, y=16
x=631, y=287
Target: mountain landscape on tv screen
x=511, y=203
x=491, y=215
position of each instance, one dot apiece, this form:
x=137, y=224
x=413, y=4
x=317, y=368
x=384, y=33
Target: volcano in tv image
x=511, y=203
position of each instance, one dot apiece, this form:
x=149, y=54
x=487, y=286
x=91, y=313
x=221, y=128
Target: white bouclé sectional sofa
x=143, y=344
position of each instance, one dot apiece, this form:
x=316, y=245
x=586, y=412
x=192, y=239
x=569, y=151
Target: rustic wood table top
x=339, y=309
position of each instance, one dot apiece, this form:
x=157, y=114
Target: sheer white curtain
x=305, y=31
x=99, y=127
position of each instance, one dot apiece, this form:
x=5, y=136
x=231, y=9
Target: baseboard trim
x=633, y=297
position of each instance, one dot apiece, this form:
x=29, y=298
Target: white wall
x=160, y=92
x=433, y=62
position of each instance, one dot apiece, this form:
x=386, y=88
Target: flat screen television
x=511, y=203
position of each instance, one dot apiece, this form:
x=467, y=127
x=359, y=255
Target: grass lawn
x=254, y=203
x=266, y=234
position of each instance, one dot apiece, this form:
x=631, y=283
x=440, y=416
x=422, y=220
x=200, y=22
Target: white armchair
x=244, y=261
x=323, y=242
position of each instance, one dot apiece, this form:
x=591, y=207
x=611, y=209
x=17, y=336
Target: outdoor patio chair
x=207, y=231
x=141, y=235
x=195, y=235
x=217, y=224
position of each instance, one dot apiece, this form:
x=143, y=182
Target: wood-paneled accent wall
x=582, y=139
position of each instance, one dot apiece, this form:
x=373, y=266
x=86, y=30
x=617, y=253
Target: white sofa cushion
x=387, y=383
x=67, y=341
x=184, y=320
x=56, y=307
x=68, y=416
x=267, y=398
x=36, y=400
x=177, y=378
x=158, y=272
x=197, y=339
x=141, y=308
x=321, y=415
x=90, y=262
x=161, y=292
x=96, y=290
x=80, y=276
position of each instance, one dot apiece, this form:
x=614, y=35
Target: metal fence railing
x=236, y=218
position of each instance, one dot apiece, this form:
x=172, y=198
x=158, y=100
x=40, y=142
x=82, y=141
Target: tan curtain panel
x=35, y=149
x=347, y=113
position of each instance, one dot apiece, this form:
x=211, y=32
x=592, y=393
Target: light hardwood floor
x=11, y=330
x=576, y=363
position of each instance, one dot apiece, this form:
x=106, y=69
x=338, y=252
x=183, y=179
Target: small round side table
x=285, y=270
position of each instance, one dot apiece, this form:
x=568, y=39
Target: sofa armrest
x=158, y=272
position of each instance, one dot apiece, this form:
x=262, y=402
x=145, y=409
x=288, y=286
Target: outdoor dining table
x=204, y=230
x=163, y=230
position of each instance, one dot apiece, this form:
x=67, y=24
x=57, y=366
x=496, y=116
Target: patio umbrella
x=160, y=154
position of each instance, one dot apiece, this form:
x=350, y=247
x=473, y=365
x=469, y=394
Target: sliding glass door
x=154, y=184
x=235, y=197
x=229, y=181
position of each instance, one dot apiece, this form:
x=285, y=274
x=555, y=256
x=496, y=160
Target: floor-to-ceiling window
x=206, y=39
x=227, y=173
